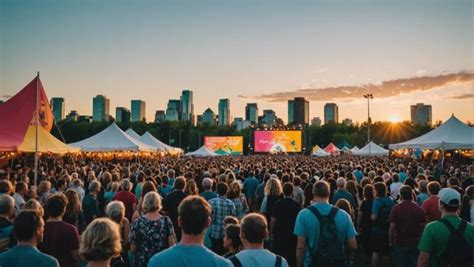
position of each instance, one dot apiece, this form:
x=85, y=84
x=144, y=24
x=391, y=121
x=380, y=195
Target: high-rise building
x=421, y=114
x=160, y=116
x=331, y=113
x=138, y=110
x=100, y=108
x=209, y=117
x=224, y=112
x=173, y=111
x=347, y=122
x=122, y=115
x=239, y=123
x=187, y=106
x=57, y=106
x=316, y=121
x=251, y=112
x=269, y=117
x=298, y=111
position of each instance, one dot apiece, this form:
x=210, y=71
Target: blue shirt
x=358, y=175
x=343, y=194
x=21, y=256
x=250, y=186
x=377, y=207
x=402, y=176
x=421, y=198
x=307, y=225
x=258, y=258
x=188, y=256
x=221, y=208
x=165, y=190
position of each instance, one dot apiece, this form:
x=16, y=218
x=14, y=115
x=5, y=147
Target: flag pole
x=36, y=129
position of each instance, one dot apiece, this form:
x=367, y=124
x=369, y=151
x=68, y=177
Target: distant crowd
x=250, y=211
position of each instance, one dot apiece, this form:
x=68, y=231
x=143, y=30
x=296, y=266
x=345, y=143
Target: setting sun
x=394, y=119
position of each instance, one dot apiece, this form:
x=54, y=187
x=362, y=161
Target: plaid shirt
x=221, y=207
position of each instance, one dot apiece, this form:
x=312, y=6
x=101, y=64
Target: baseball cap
x=449, y=197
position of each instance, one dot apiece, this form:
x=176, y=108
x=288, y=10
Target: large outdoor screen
x=225, y=145
x=277, y=141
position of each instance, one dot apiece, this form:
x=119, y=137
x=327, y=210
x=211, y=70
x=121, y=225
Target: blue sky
x=151, y=50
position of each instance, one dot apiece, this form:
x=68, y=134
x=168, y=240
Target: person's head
x=232, y=237
x=273, y=187
x=194, y=215
x=113, y=187
x=94, y=187
x=341, y=183
x=180, y=183
x=100, y=241
x=7, y=206
x=345, y=205
x=380, y=190
x=21, y=188
x=44, y=187
x=449, y=200
x=126, y=185
x=253, y=229
x=406, y=193
x=191, y=188
x=222, y=189
x=230, y=220
x=6, y=187
x=148, y=186
x=115, y=210
x=433, y=188
x=207, y=184
x=56, y=205
x=34, y=204
x=288, y=189
x=321, y=190
x=171, y=173
x=73, y=199
x=151, y=202
x=29, y=227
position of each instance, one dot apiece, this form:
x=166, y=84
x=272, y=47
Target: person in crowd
x=115, y=211
x=337, y=225
x=430, y=205
x=250, y=187
x=364, y=222
x=407, y=220
x=208, y=194
x=140, y=182
x=308, y=195
x=273, y=193
x=260, y=191
x=381, y=209
x=44, y=191
x=194, y=218
x=147, y=187
x=111, y=190
x=7, y=212
x=77, y=185
x=34, y=204
x=172, y=201
x=21, y=189
x=395, y=186
x=90, y=204
x=191, y=188
x=74, y=214
x=253, y=232
x=282, y=223
x=232, y=241
x=100, y=243
x=450, y=240
x=346, y=206
x=342, y=193
x=423, y=194
x=61, y=239
x=221, y=207
x=467, y=206
x=165, y=189
x=239, y=200
x=151, y=232
x=29, y=228
x=298, y=193
x=171, y=177
x=127, y=197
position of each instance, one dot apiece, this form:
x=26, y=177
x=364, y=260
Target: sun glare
x=394, y=119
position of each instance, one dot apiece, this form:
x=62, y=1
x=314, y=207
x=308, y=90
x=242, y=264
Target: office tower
x=298, y=111
x=187, y=106
x=173, y=112
x=347, y=122
x=239, y=123
x=421, y=114
x=331, y=113
x=316, y=121
x=57, y=106
x=224, y=112
x=122, y=115
x=291, y=111
x=160, y=116
x=138, y=110
x=209, y=117
x=251, y=112
x=100, y=108
x=268, y=118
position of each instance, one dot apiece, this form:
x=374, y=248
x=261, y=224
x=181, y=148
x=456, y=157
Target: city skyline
x=275, y=51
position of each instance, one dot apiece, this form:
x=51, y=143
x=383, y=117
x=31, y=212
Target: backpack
x=458, y=251
x=330, y=250
x=382, y=218
x=236, y=262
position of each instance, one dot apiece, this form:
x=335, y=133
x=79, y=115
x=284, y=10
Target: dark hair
x=26, y=224
x=232, y=231
x=321, y=189
x=221, y=189
x=288, y=189
x=194, y=212
x=254, y=228
x=368, y=192
x=180, y=183
x=449, y=208
x=380, y=189
x=20, y=186
x=56, y=205
x=406, y=193
x=433, y=188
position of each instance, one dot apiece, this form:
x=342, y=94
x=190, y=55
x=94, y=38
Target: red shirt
x=128, y=200
x=409, y=219
x=60, y=239
x=430, y=207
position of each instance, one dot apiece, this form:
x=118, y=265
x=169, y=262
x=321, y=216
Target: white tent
x=452, y=134
x=372, y=149
x=132, y=133
x=321, y=153
x=111, y=138
x=355, y=149
x=148, y=139
x=202, y=152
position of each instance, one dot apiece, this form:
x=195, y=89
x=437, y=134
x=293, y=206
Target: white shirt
x=19, y=202
x=395, y=189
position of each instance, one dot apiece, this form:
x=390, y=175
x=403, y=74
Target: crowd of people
x=280, y=210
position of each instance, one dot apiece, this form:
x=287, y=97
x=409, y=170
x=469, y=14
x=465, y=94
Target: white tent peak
x=321, y=153
x=371, y=149
x=202, y=152
x=148, y=139
x=132, y=133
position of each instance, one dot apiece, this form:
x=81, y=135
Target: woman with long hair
x=235, y=195
x=146, y=188
x=74, y=214
x=191, y=188
x=273, y=193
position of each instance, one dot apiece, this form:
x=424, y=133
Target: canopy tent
x=112, y=138
x=345, y=149
x=355, y=149
x=452, y=134
x=17, y=122
x=202, y=152
x=344, y=144
x=332, y=149
x=321, y=153
x=148, y=139
x=316, y=148
x=372, y=149
x=132, y=133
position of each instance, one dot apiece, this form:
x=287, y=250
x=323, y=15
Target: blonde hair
x=101, y=240
x=34, y=204
x=44, y=187
x=273, y=187
x=115, y=210
x=151, y=202
x=191, y=188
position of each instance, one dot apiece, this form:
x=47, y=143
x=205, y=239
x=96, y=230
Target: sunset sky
x=404, y=52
